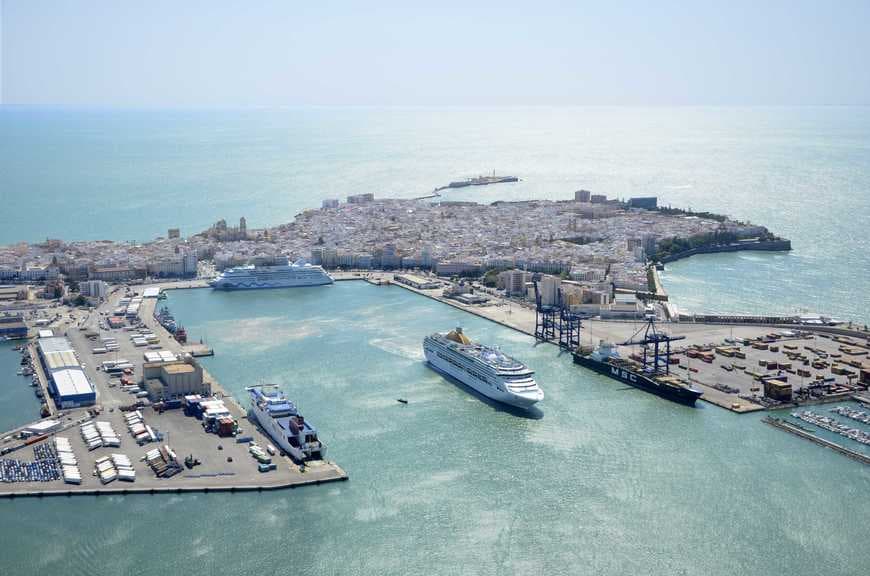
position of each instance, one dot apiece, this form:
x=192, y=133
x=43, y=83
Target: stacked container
x=105, y=469
x=136, y=424
x=68, y=463
x=91, y=436
x=107, y=434
x=124, y=467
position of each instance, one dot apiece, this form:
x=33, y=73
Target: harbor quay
x=742, y=368
x=222, y=463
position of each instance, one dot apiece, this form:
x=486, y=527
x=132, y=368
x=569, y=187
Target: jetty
x=478, y=181
x=803, y=433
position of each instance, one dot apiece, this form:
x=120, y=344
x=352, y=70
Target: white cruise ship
x=282, y=276
x=285, y=426
x=488, y=370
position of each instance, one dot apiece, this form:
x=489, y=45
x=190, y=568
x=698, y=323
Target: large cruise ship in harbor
x=280, y=419
x=487, y=370
x=281, y=276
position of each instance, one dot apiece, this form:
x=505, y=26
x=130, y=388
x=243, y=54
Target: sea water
x=599, y=479
x=132, y=174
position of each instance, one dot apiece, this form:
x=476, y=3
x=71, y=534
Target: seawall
x=764, y=246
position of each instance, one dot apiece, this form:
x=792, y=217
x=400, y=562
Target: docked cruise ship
x=280, y=419
x=282, y=276
x=487, y=370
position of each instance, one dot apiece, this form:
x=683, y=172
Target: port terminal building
x=175, y=379
x=67, y=381
x=414, y=281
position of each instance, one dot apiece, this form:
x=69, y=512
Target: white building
x=94, y=289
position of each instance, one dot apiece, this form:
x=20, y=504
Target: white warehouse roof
x=71, y=382
x=55, y=344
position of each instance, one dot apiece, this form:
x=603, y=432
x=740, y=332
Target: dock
x=225, y=464
x=42, y=378
x=730, y=390
x=799, y=431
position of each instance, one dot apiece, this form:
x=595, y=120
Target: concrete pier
x=225, y=465
x=798, y=431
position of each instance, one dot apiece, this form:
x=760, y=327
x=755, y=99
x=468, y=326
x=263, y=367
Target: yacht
x=280, y=419
x=487, y=370
x=285, y=275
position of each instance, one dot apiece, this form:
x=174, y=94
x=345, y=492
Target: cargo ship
x=605, y=359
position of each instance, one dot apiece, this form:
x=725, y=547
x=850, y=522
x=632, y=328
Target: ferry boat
x=487, y=370
x=285, y=275
x=605, y=359
x=280, y=419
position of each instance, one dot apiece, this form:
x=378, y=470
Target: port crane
x=550, y=319
x=659, y=361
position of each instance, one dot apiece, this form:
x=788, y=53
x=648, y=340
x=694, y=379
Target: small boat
x=401, y=401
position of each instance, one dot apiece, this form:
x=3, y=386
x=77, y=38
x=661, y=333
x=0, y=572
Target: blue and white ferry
x=280, y=419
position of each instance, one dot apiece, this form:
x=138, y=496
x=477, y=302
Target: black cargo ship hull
x=685, y=396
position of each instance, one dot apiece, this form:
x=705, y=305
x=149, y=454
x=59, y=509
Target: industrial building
x=9, y=293
x=66, y=380
x=414, y=281
x=645, y=202
x=12, y=327
x=172, y=380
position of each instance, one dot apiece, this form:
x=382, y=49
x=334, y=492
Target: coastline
x=760, y=245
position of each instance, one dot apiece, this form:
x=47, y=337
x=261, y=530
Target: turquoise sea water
x=804, y=172
x=22, y=405
x=600, y=480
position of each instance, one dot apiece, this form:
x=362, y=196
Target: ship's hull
x=479, y=386
x=680, y=395
x=230, y=285
x=279, y=437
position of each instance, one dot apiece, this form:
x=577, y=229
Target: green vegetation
x=680, y=212
x=670, y=246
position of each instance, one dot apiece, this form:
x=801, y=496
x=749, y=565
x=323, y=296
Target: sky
x=220, y=53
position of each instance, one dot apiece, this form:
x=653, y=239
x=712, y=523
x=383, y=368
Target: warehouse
x=72, y=389
x=12, y=327
x=67, y=380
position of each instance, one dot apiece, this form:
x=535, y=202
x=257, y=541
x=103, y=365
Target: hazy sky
x=182, y=53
